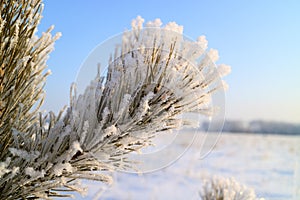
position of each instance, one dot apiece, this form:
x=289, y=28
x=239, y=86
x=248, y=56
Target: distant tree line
x=255, y=126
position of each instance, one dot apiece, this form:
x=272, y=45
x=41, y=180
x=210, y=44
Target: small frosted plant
x=217, y=188
x=154, y=77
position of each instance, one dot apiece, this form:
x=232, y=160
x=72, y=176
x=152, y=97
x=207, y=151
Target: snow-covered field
x=270, y=164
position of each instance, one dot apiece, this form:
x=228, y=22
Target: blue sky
x=259, y=39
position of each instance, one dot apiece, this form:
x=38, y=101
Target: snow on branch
x=156, y=76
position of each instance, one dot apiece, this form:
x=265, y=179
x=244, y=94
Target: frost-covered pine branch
x=22, y=62
x=155, y=76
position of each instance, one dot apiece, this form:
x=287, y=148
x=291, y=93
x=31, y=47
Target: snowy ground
x=270, y=164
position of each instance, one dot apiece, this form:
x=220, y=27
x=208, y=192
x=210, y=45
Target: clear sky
x=259, y=39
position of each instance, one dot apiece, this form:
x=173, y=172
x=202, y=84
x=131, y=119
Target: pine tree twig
x=154, y=78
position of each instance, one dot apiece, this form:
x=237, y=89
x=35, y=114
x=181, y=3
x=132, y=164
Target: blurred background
x=259, y=39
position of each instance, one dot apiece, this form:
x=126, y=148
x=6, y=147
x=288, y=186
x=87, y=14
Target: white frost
x=34, y=173
x=3, y=167
x=224, y=70
x=60, y=167
x=173, y=26
x=137, y=23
